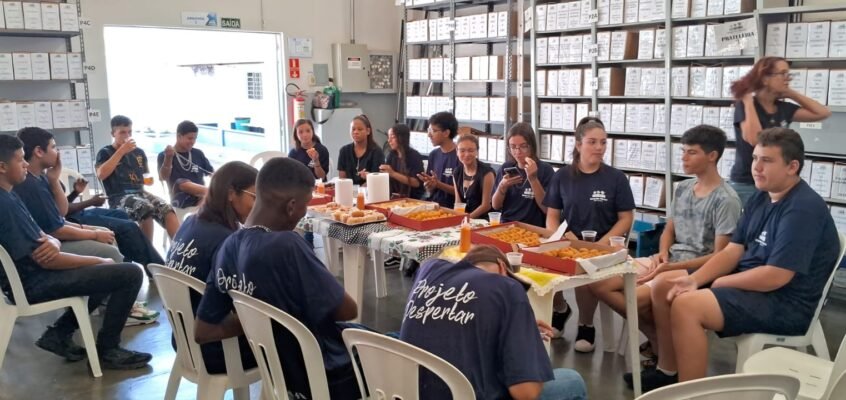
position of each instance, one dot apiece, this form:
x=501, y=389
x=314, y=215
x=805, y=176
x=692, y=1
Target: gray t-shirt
x=697, y=221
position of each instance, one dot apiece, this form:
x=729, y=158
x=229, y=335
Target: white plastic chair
x=729, y=387
x=261, y=158
x=256, y=317
x=10, y=312
x=175, y=289
x=747, y=345
x=820, y=379
x=65, y=178
x=390, y=367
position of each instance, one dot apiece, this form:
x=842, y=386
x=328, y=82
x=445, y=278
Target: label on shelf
x=85, y=24
x=810, y=125
x=94, y=115
x=593, y=50
x=593, y=17
x=450, y=25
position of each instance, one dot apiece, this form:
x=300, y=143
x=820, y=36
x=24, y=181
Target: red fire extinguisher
x=297, y=107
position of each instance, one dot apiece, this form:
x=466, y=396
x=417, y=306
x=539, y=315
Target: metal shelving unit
x=73, y=42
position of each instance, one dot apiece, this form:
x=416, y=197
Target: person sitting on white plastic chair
x=48, y=274
x=705, y=213
x=269, y=261
x=476, y=315
x=183, y=167
x=769, y=279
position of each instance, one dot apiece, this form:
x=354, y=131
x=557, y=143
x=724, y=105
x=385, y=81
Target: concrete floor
x=31, y=373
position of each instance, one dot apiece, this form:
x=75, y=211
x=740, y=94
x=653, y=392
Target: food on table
x=570, y=253
x=429, y=215
x=516, y=235
x=404, y=203
x=348, y=215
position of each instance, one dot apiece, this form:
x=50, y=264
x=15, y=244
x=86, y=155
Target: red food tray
x=387, y=211
x=479, y=235
x=535, y=256
x=445, y=222
x=318, y=199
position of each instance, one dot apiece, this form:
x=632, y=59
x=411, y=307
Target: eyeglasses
x=784, y=74
x=249, y=193
x=523, y=147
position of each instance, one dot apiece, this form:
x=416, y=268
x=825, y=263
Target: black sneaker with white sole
x=585, y=339
x=120, y=358
x=652, y=379
x=559, y=320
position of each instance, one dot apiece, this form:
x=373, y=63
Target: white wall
x=325, y=21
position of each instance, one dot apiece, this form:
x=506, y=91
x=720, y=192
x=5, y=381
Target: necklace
x=262, y=227
x=184, y=163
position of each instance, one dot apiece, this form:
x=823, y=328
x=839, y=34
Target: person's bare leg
x=171, y=224
x=610, y=292
x=644, y=312
x=661, y=317
x=147, y=226
x=690, y=315
x=587, y=303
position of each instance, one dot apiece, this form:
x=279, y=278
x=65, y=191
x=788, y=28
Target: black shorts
x=755, y=312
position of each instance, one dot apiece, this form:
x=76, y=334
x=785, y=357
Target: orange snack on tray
x=570, y=253
x=428, y=215
x=517, y=235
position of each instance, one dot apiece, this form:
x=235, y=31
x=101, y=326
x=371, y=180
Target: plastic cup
x=459, y=208
x=494, y=218
x=589, y=236
x=148, y=179
x=515, y=258
x=617, y=242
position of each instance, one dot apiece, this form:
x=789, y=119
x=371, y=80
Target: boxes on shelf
x=738, y=6
x=695, y=41
x=837, y=88
x=654, y=193
x=616, y=11
x=698, y=8
x=633, y=153
x=837, y=39
x=679, y=42
x=69, y=17
x=636, y=182
x=805, y=174
x=776, y=40
x=646, y=44
x=821, y=176
x=817, y=85
x=797, y=40
x=838, y=213
x=818, y=34
x=536, y=256
x=611, y=81
x=621, y=152
x=13, y=12
x=623, y=45
x=838, y=182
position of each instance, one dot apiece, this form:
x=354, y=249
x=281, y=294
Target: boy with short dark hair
x=48, y=274
x=183, y=167
x=271, y=262
x=122, y=166
x=443, y=161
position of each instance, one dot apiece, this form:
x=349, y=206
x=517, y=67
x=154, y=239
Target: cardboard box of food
x=319, y=199
x=536, y=256
x=482, y=235
x=452, y=220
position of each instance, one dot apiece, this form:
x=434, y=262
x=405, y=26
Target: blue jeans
x=567, y=385
x=119, y=283
x=130, y=240
x=744, y=191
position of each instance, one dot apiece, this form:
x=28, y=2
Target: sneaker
x=653, y=379
x=559, y=319
x=627, y=377
x=393, y=262
x=585, y=339
x=119, y=358
x=141, y=315
x=61, y=345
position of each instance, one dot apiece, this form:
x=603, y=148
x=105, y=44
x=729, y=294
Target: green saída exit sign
x=231, y=23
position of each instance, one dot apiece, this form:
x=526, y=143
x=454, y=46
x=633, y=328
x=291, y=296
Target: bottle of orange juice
x=464, y=244
x=321, y=188
x=360, y=200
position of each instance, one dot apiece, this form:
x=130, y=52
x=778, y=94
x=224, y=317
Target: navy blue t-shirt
x=443, y=166
x=191, y=168
x=590, y=201
x=322, y=155
x=192, y=252
x=741, y=171
x=280, y=269
x=128, y=176
x=519, y=204
x=35, y=193
x=412, y=166
x=19, y=235
x=778, y=234
x=480, y=322
x=349, y=163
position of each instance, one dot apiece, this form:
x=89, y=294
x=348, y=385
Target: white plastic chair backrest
x=837, y=381
x=65, y=178
x=827, y=286
x=332, y=172
x=14, y=280
x=174, y=288
x=256, y=317
x=729, y=387
x=391, y=367
x=260, y=159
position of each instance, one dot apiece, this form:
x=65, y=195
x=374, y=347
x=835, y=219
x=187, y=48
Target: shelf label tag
x=594, y=16
x=450, y=25
x=594, y=83
x=593, y=50
x=810, y=125
x=86, y=68
x=85, y=23
x=94, y=115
